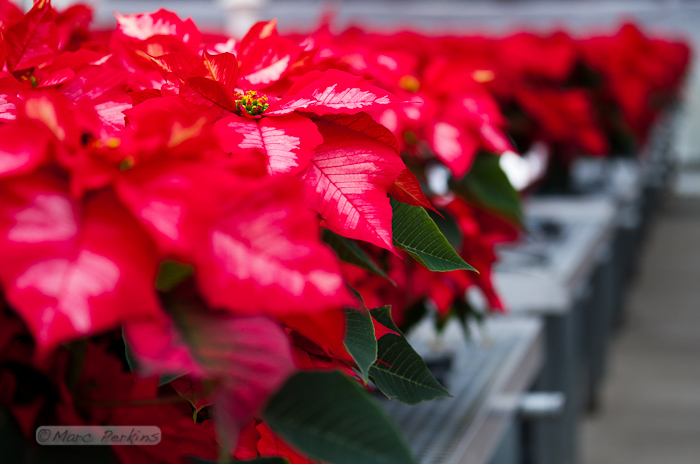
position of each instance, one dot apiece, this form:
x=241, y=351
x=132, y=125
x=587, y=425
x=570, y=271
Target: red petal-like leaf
x=363, y=122
x=175, y=202
x=208, y=344
x=23, y=147
x=247, y=442
x=162, y=22
x=255, y=246
x=266, y=61
x=223, y=68
x=8, y=107
x=73, y=21
x=203, y=91
x=248, y=357
x=93, y=82
x=287, y=141
x=110, y=109
x=77, y=59
x=159, y=45
x=141, y=96
x=33, y=40
x=148, y=113
x=259, y=30
x=60, y=269
x=326, y=329
x=380, y=329
x=9, y=13
x=406, y=189
x=495, y=139
x=454, y=147
x=57, y=78
x=183, y=65
x=3, y=53
x=55, y=112
x=348, y=180
x=264, y=254
x=479, y=120
x=332, y=92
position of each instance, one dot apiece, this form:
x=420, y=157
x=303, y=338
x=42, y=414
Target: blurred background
x=672, y=18
x=648, y=407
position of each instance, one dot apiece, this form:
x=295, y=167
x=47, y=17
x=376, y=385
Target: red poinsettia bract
x=132, y=157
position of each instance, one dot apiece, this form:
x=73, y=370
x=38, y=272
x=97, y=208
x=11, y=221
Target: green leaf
x=487, y=186
x=331, y=418
x=400, y=372
x=165, y=379
x=349, y=252
x=275, y=460
x=449, y=228
x=356, y=294
x=171, y=273
x=130, y=359
x=465, y=312
x=360, y=340
x=415, y=233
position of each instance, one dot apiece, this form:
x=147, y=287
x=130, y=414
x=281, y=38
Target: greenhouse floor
x=650, y=411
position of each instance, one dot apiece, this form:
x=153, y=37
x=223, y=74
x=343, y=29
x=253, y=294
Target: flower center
x=29, y=77
x=251, y=102
x=127, y=163
x=409, y=83
x=483, y=75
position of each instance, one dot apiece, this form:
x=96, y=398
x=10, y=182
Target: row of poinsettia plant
x=468, y=98
x=594, y=95
x=217, y=216
x=182, y=219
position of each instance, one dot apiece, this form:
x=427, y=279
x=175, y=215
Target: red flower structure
x=450, y=116
x=467, y=95
x=641, y=73
x=565, y=118
x=178, y=191
x=449, y=108
x=180, y=215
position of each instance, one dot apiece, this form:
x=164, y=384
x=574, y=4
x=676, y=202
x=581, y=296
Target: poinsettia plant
x=450, y=132
x=468, y=99
x=224, y=238
x=596, y=95
x=180, y=217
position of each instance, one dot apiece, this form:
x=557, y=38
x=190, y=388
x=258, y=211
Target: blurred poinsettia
x=641, y=73
x=466, y=96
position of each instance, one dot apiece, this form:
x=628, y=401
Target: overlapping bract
x=470, y=98
x=176, y=185
x=154, y=180
x=476, y=92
